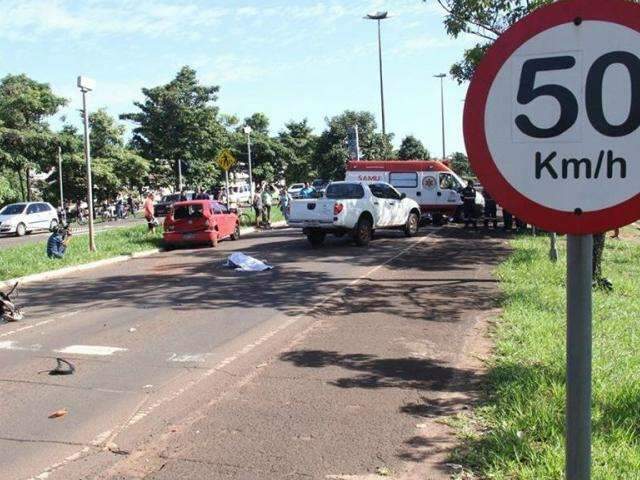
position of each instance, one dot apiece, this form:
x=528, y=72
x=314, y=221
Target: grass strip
x=31, y=258
x=518, y=431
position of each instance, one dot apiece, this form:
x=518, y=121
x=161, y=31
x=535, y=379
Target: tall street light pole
x=86, y=85
x=60, y=178
x=442, y=76
x=247, y=130
x=379, y=16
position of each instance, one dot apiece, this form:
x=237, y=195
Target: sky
x=291, y=59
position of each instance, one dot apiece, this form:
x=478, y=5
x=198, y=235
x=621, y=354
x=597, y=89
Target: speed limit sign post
x=552, y=129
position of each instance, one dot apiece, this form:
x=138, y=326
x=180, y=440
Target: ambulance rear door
x=428, y=195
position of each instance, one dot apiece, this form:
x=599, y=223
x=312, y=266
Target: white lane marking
x=39, y=324
x=12, y=345
x=140, y=412
x=91, y=350
x=143, y=412
x=188, y=357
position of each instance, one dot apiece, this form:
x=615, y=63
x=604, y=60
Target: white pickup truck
x=355, y=208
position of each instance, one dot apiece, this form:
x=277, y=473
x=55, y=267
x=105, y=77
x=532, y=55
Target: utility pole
x=60, y=177
x=179, y=175
x=379, y=16
x=442, y=76
x=247, y=130
x=86, y=85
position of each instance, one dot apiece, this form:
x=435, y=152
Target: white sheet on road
x=245, y=263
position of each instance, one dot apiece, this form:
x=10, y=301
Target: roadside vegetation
x=518, y=432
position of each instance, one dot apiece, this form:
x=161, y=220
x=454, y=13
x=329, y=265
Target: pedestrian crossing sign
x=225, y=160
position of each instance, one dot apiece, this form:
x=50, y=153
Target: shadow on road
x=299, y=280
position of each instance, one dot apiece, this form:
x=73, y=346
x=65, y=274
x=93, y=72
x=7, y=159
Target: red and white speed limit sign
x=552, y=117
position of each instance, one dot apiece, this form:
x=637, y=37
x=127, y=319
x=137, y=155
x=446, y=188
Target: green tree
x=26, y=142
x=258, y=122
x=412, y=149
x=269, y=157
x=179, y=121
x=460, y=165
x=332, y=155
x=115, y=167
x=298, y=137
x=119, y=166
x=485, y=19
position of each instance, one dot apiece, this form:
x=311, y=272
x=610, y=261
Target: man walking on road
x=149, y=213
x=257, y=206
x=267, y=199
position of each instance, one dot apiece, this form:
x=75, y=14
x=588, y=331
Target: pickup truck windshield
x=345, y=191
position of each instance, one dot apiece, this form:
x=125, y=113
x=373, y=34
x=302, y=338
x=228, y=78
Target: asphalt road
x=163, y=346
x=12, y=241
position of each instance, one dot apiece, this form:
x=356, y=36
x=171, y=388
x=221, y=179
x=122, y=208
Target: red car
x=200, y=222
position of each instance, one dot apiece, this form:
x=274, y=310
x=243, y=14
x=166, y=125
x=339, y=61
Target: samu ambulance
x=432, y=184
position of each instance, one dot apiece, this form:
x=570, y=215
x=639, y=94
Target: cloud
x=29, y=19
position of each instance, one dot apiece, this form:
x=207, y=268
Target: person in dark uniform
x=469, y=204
x=507, y=219
x=490, y=210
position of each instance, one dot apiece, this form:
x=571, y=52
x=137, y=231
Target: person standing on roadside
x=284, y=201
x=257, y=205
x=490, y=210
x=308, y=191
x=119, y=207
x=267, y=199
x=132, y=209
x=149, y=213
x=469, y=204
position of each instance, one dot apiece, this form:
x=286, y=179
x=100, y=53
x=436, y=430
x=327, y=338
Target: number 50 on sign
x=552, y=118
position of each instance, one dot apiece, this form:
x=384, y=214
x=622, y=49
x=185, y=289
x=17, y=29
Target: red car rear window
x=188, y=211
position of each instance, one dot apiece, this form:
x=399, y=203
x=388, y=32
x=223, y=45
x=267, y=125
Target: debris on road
x=132, y=329
x=63, y=367
x=383, y=471
x=58, y=413
x=113, y=448
x=244, y=263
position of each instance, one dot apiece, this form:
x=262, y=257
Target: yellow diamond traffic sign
x=225, y=160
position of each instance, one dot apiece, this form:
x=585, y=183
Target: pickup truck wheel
x=316, y=239
x=363, y=232
x=411, y=227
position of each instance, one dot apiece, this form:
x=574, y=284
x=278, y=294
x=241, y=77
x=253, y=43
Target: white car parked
x=20, y=218
x=239, y=193
x=355, y=208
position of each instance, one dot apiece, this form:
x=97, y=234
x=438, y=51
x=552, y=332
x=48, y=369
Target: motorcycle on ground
x=9, y=312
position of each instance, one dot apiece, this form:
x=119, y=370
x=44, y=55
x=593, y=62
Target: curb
x=61, y=272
